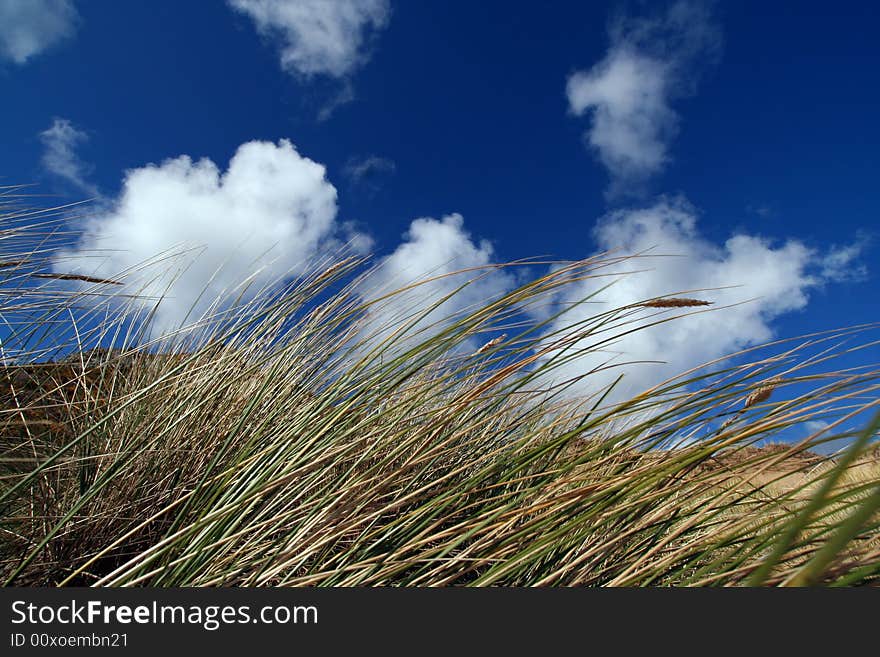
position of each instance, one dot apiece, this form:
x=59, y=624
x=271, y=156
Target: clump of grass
x=286, y=442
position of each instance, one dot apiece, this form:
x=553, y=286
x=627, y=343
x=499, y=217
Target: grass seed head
x=674, y=302
x=492, y=343
x=762, y=393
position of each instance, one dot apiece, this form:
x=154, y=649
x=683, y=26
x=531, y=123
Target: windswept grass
x=288, y=442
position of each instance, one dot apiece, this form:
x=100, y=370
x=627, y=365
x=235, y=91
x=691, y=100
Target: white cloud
x=815, y=426
x=368, y=172
x=343, y=94
x=651, y=62
x=432, y=250
x=359, y=168
x=269, y=213
x=841, y=263
x=632, y=121
x=772, y=279
x=822, y=430
x=60, y=141
x=28, y=27
x=318, y=37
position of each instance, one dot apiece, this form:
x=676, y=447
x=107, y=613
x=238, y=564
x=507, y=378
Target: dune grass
x=288, y=442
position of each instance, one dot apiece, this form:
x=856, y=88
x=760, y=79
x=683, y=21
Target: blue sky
x=744, y=134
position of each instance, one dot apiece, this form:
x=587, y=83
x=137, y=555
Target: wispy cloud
x=815, y=426
x=28, y=27
x=369, y=172
x=60, y=141
x=651, y=62
x=763, y=210
x=842, y=262
x=342, y=94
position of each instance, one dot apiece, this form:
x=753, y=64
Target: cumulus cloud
x=756, y=279
x=266, y=215
x=629, y=94
x=318, y=37
x=60, y=141
x=28, y=27
x=431, y=251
